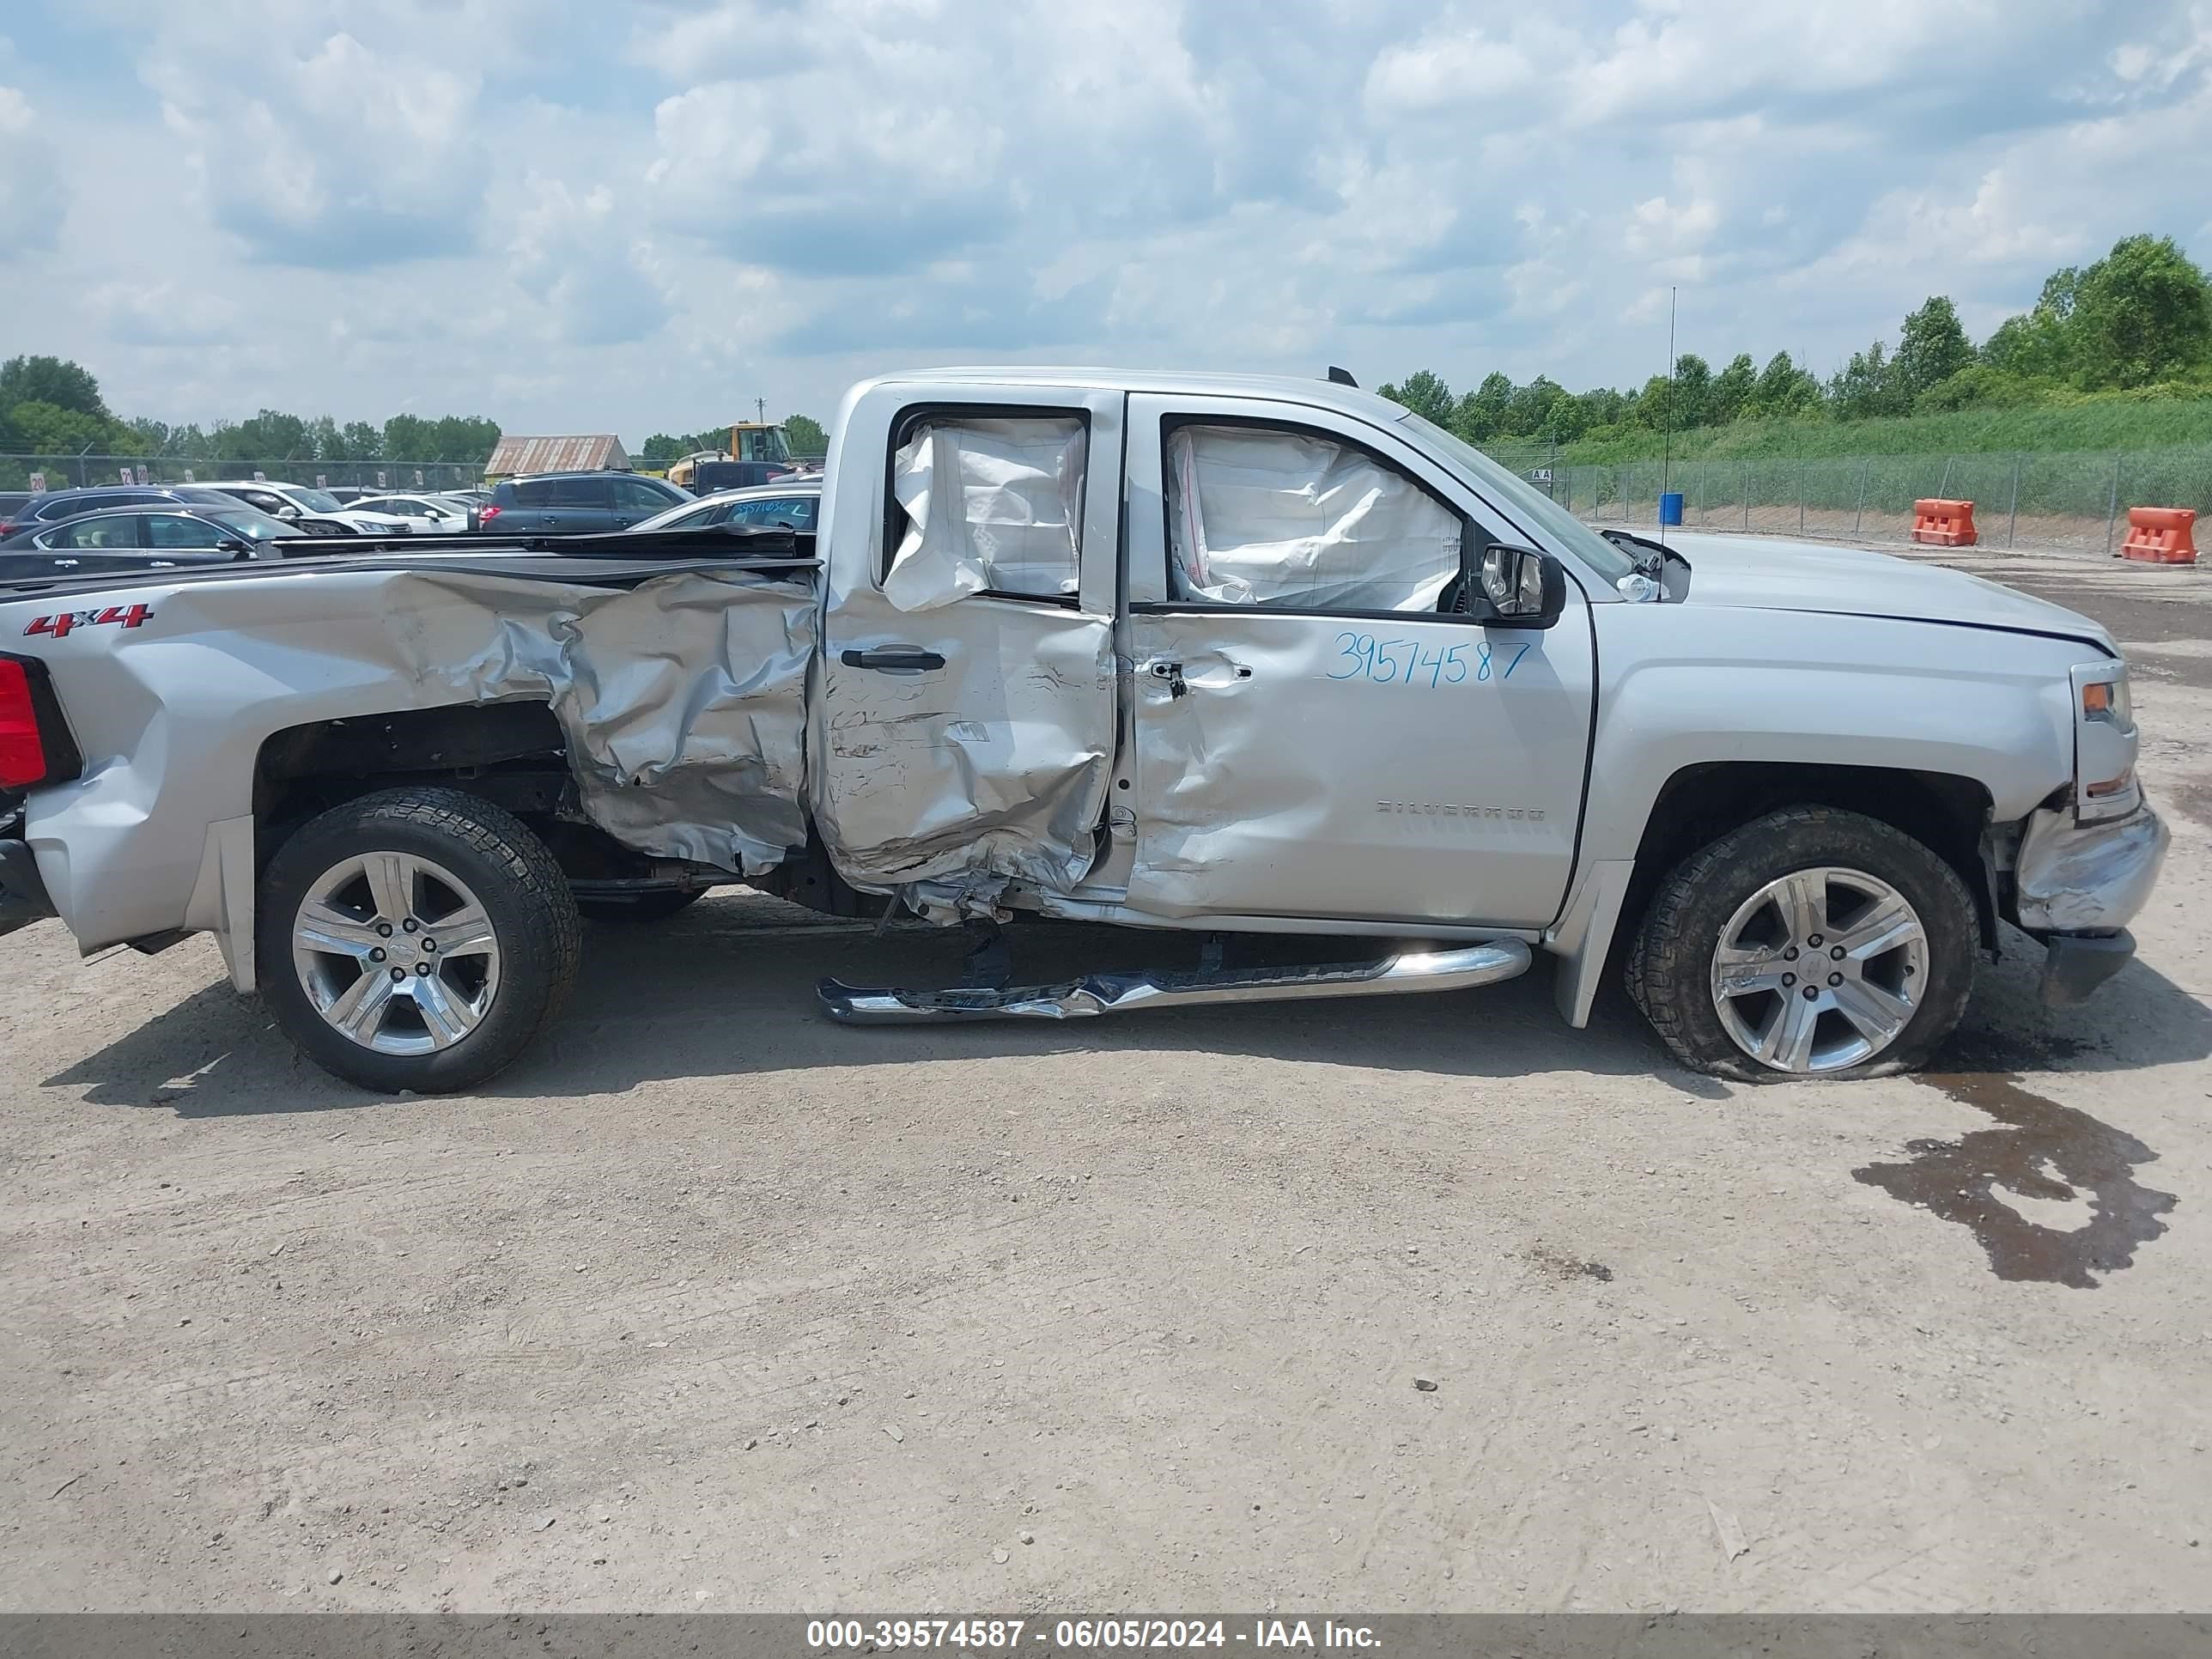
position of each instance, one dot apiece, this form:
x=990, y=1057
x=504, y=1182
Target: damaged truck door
x=965, y=732
x=1325, y=727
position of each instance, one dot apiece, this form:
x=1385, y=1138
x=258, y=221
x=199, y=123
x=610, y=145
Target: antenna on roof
x=1341, y=377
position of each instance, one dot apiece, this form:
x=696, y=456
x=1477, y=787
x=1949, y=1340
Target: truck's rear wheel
x=415, y=940
x=1811, y=943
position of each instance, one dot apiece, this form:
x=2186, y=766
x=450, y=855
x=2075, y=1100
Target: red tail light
x=487, y=514
x=8, y=527
x=35, y=746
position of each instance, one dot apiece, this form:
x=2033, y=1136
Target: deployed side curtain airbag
x=1274, y=517
x=991, y=504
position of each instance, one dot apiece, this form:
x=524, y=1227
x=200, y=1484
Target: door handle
x=892, y=658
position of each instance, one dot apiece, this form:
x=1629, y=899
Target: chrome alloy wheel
x=394, y=951
x=1820, y=969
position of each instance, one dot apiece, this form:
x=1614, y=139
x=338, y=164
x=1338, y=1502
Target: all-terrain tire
x=656, y=906
x=1670, y=963
x=508, y=870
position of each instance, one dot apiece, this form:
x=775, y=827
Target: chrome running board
x=1112, y=993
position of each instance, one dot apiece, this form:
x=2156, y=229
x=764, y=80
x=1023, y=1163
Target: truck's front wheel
x=415, y=940
x=1811, y=943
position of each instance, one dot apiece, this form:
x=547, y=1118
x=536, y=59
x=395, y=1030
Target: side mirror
x=288, y=511
x=1525, y=588
x=232, y=544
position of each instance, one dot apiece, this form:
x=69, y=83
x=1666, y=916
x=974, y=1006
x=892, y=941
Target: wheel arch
x=514, y=754
x=1700, y=802
x=1945, y=813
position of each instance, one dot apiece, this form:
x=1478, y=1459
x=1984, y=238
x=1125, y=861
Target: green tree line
x=2135, y=324
x=50, y=406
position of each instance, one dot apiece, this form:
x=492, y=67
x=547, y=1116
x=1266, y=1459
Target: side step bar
x=1112, y=993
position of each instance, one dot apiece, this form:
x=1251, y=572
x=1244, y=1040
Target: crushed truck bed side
x=679, y=687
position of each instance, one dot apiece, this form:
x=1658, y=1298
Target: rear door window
x=986, y=505
x=110, y=535
x=538, y=492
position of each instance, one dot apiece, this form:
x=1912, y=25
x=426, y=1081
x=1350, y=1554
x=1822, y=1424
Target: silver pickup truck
x=1228, y=655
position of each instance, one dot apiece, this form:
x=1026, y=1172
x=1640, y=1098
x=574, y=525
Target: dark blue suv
x=574, y=503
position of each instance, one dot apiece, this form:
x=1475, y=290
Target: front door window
x=1276, y=516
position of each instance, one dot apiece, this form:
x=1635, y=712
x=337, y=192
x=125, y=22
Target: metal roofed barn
x=513, y=457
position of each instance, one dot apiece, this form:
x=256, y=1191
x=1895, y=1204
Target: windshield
x=762, y=444
x=315, y=501
x=252, y=521
x=1592, y=548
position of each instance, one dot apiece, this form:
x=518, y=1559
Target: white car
x=793, y=506
x=426, y=515
x=300, y=502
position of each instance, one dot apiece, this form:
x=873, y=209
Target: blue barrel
x=1670, y=507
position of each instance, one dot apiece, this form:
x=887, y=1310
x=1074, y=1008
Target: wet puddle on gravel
x=2048, y=1158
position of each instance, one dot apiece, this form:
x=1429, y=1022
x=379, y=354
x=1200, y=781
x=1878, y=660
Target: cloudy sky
x=574, y=215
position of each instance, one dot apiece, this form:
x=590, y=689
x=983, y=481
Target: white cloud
x=32, y=192
x=573, y=252
x=1448, y=72
x=314, y=145
x=160, y=313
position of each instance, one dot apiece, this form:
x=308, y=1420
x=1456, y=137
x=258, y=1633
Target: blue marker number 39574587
x=1385, y=662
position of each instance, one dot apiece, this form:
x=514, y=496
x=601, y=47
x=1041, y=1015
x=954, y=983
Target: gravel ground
x=1419, y=1304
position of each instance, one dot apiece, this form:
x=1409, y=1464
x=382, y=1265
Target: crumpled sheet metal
x=2091, y=878
x=948, y=810
x=683, y=700
x=1283, y=518
x=989, y=504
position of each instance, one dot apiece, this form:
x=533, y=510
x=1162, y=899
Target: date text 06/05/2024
x=1085, y=1635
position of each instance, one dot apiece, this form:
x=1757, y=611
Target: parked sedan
x=51, y=506
x=426, y=515
x=143, y=538
x=791, y=507
x=291, y=501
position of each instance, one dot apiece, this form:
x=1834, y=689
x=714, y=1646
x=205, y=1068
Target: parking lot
x=1428, y=1303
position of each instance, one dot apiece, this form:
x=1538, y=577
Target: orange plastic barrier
x=1944, y=524
x=2161, y=535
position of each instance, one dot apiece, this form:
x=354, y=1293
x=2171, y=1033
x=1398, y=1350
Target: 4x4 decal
x=61, y=624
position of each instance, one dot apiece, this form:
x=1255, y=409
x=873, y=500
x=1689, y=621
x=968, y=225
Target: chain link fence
x=2074, y=502
x=76, y=471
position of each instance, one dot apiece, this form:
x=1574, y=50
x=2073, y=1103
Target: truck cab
x=1208, y=651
